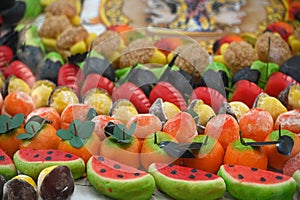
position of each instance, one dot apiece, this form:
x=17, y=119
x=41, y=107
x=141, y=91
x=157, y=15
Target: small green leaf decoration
x=64, y=134
x=78, y=132
x=86, y=129
x=91, y=114
x=121, y=134
x=77, y=142
x=32, y=127
x=7, y=124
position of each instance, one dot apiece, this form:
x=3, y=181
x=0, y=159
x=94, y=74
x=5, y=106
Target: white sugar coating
x=24, y=96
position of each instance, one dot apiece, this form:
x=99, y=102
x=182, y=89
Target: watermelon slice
x=187, y=183
x=7, y=167
x=296, y=176
x=32, y=161
x=119, y=181
x=252, y=183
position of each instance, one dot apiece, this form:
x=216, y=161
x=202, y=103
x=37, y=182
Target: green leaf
x=25, y=136
x=76, y=142
x=16, y=121
x=132, y=128
x=4, y=123
x=91, y=114
x=74, y=126
x=118, y=131
x=64, y=134
x=86, y=129
x=32, y=127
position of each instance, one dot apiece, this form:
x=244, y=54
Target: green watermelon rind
x=8, y=171
x=192, y=190
x=252, y=191
x=296, y=177
x=134, y=188
x=33, y=169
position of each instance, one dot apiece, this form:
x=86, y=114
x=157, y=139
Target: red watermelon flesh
x=184, y=173
x=7, y=167
x=32, y=161
x=252, y=183
x=181, y=182
x=119, y=181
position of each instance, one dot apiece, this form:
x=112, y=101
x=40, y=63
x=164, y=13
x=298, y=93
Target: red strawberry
x=95, y=80
x=246, y=92
x=209, y=96
x=133, y=93
x=167, y=92
x=20, y=70
x=6, y=54
x=277, y=82
x=72, y=76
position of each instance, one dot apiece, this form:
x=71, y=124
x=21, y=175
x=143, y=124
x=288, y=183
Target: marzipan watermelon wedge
x=32, y=161
x=7, y=167
x=252, y=183
x=187, y=183
x=119, y=181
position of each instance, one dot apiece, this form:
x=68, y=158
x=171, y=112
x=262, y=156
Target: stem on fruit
x=32, y=127
x=155, y=138
x=75, y=130
x=7, y=126
x=205, y=140
x=279, y=130
x=123, y=134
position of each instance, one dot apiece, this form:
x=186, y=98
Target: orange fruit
x=182, y=127
x=48, y=113
x=73, y=111
x=151, y=152
x=246, y=155
x=126, y=153
x=100, y=122
x=275, y=159
x=146, y=124
x=209, y=157
x=9, y=142
x=17, y=103
x=289, y=120
x=91, y=147
x=224, y=128
x=46, y=138
x=256, y=124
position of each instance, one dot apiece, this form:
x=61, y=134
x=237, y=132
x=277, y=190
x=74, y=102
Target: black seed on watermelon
x=262, y=179
x=194, y=170
x=36, y=155
x=100, y=158
x=48, y=158
x=68, y=155
x=278, y=177
x=50, y=152
x=2, y=158
x=170, y=165
x=191, y=176
x=116, y=166
x=209, y=175
x=102, y=170
x=120, y=176
x=136, y=174
x=173, y=172
x=254, y=169
x=240, y=176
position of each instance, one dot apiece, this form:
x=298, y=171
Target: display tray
x=194, y=17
